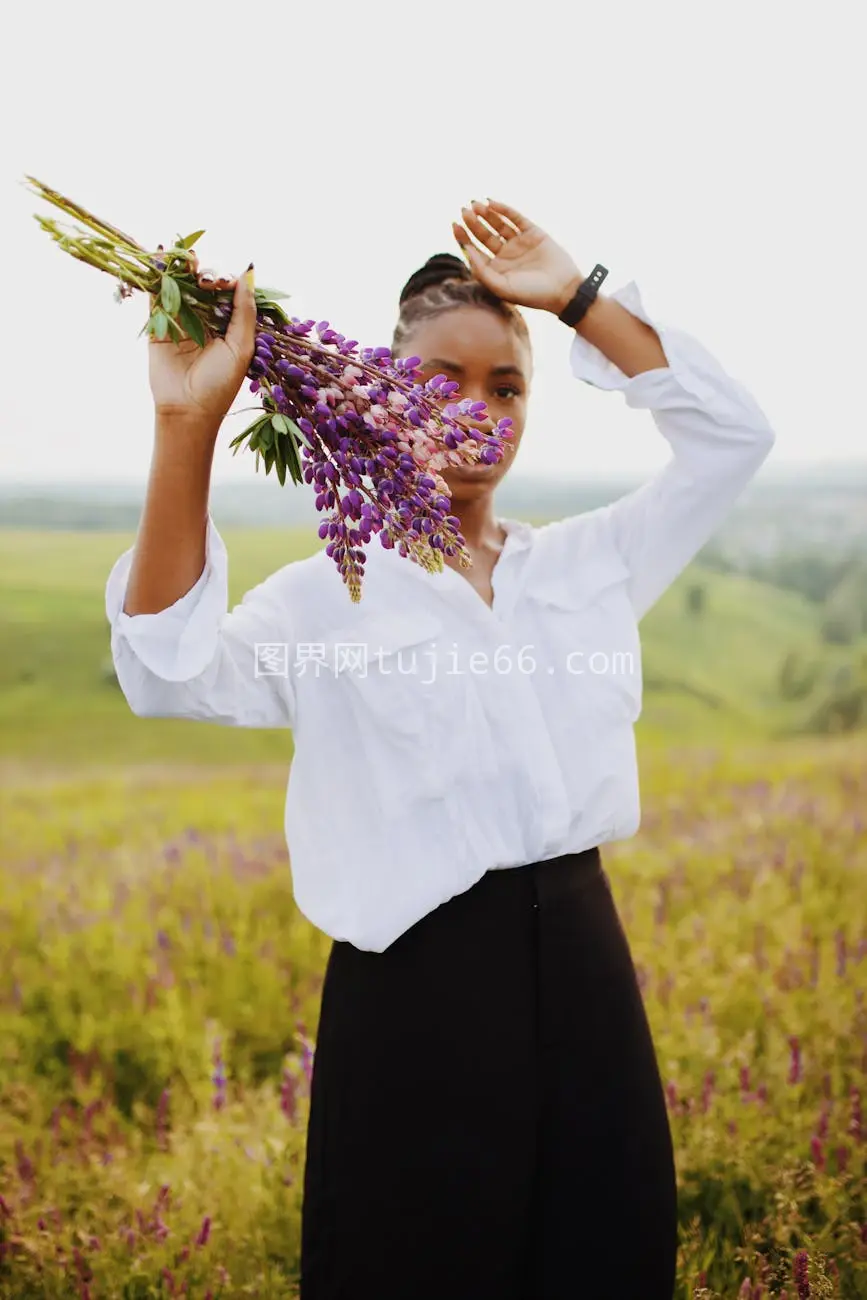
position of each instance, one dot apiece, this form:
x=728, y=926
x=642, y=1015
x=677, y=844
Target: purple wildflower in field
x=822, y=1126
x=842, y=953
x=307, y=1054
x=204, y=1232
x=288, y=1094
x=795, y=1064
x=219, y=1079
x=26, y=1168
x=801, y=1274
x=856, y=1119
x=817, y=1151
x=707, y=1091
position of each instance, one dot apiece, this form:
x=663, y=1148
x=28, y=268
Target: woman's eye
x=506, y=391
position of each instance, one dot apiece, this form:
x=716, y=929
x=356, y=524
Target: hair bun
x=436, y=270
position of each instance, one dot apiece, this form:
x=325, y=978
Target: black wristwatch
x=575, y=311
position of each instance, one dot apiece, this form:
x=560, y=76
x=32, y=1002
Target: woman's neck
x=478, y=522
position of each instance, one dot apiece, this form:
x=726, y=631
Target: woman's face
x=483, y=353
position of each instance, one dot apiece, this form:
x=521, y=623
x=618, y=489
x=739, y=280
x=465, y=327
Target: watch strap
x=576, y=309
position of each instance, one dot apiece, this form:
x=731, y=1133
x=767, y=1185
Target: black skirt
x=487, y=1117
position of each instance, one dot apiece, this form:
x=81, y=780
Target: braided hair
x=442, y=284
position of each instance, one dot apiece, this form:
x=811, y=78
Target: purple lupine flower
x=288, y=1094
x=307, y=1057
x=707, y=1091
x=204, y=1232
x=856, y=1119
x=822, y=1126
x=817, y=1153
x=366, y=416
x=840, y=944
x=26, y=1167
x=219, y=1079
x=795, y=1066
x=801, y=1274
x=746, y=1290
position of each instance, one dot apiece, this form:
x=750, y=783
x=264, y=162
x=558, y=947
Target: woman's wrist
x=180, y=422
x=564, y=295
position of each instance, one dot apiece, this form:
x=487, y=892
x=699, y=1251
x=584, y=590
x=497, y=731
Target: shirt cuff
x=179, y=642
x=691, y=373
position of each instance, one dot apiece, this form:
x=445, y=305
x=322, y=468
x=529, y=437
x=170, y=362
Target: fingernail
x=251, y=278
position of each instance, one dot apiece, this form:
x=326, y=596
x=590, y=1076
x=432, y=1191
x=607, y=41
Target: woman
x=487, y=1118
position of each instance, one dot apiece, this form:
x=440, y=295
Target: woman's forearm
x=169, y=554
x=625, y=340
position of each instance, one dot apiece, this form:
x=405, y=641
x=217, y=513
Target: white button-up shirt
x=437, y=738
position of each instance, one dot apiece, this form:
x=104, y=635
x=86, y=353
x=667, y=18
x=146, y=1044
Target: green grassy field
x=159, y=990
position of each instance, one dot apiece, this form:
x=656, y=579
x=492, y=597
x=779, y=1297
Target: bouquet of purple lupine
x=357, y=425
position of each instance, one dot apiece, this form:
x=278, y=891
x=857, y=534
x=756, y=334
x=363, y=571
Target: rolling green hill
x=707, y=674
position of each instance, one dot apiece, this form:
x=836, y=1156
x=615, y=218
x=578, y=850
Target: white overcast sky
x=712, y=152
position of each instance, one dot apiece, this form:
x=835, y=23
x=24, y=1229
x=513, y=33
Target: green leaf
x=160, y=325
x=271, y=295
x=293, y=460
x=296, y=433
x=254, y=440
x=170, y=295
x=280, y=458
x=268, y=457
x=174, y=333
x=267, y=435
x=191, y=239
x=191, y=325
x=280, y=423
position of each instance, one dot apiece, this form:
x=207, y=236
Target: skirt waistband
x=552, y=876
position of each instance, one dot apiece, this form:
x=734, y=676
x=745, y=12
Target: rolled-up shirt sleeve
x=718, y=435
x=198, y=659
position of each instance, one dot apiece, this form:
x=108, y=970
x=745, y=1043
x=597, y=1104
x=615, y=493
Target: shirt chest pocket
x=409, y=709
x=590, y=651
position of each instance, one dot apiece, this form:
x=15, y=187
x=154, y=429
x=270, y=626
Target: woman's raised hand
x=521, y=263
x=199, y=384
